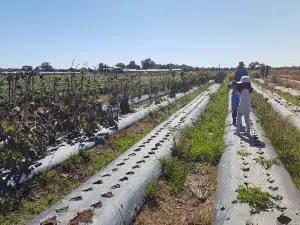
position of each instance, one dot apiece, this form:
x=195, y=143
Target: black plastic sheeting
x=235, y=170
x=283, y=107
x=117, y=192
x=61, y=152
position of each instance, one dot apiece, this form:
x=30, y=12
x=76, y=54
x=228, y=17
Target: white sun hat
x=245, y=79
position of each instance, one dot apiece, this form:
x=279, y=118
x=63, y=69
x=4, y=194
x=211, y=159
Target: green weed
x=267, y=163
x=175, y=172
x=243, y=154
x=153, y=191
x=257, y=199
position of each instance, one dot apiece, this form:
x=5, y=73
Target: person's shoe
x=246, y=134
x=237, y=133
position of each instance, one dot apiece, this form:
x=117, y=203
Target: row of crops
x=38, y=112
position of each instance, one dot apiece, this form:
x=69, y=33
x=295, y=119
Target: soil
x=288, y=74
x=83, y=217
x=193, y=206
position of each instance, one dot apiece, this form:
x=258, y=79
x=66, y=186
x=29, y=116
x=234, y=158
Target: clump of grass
x=283, y=136
x=243, y=154
x=153, y=191
x=203, y=142
x=62, y=210
x=257, y=199
x=267, y=163
x=175, y=172
x=82, y=157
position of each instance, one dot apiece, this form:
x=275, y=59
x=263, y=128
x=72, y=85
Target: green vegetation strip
x=204, y=141
x=289, y=97
x=200, y=143
x=257, y=199
x=37, y=195
x=284, y=137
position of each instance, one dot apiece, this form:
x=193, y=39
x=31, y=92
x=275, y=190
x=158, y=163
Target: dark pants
x=234, y=115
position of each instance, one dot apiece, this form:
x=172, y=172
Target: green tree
x=45, y=66
x=171, y=66
x=253, y=65
x=121, y=65
x=132, y=65
x=148, y=64
x=27, y=68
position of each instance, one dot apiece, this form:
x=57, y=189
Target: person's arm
x=246, y=72
x=236, y=74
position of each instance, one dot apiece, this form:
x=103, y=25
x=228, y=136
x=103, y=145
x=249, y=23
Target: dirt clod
x=51, y=221
x=82, y=217
x=283, y=220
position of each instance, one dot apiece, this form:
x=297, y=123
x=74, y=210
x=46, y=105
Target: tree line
x=150, y=64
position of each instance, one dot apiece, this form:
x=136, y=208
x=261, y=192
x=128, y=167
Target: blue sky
x=193, y=32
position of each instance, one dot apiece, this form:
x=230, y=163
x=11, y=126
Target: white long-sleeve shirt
x=245, y=102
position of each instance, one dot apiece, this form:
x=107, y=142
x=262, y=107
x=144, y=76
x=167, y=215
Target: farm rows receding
x=259, y=197
x=292, y=91
x=253, y=187
x=186, y=191
x=86, y=163
x=122, y=183
x=40, y=112
x=59, y=153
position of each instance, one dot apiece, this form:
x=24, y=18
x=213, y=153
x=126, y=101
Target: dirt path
x=266, y=186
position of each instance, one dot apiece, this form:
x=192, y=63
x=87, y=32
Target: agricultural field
x=179, y=162
x=286, y=74
x=43, y=117
x=38, y=112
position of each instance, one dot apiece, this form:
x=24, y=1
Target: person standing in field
x=240, y=72
x=245, y=90
x=235, y=100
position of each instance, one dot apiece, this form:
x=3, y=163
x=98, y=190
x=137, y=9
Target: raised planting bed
x=36, y=195
x=56, y=155
x=115, y=194
x=285, y=108
x=38, y=112
x=185, y=192
x=254, y=187
x=291, y=91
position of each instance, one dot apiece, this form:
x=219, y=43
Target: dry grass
x=283, y=83
x=288, y=74
x=192, y=206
